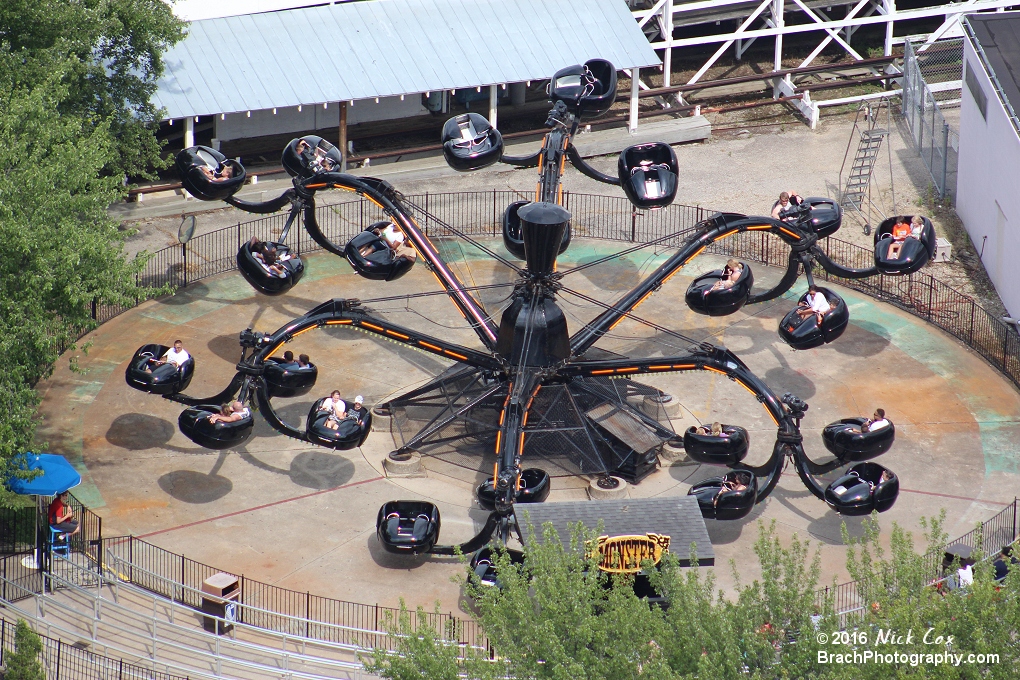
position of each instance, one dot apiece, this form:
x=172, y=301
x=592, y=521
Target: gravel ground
x=752, y=156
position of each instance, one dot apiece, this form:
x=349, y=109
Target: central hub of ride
x=533, y=330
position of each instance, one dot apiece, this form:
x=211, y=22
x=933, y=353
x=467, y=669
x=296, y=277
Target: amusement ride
x=536, y=389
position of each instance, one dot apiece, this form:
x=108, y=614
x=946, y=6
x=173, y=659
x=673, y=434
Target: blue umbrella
x=57, y=475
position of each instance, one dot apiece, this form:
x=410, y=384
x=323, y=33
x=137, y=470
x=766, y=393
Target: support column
x=518, y=94
x=635, y=75
x=189, y=132
x=216, y=132
x=777, y=59
x=343, y=136
x=667, y=58
x=493, y=99
x=890, y=14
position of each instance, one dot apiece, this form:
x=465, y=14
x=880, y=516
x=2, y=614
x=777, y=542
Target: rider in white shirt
x=176, y=355
x=877, y=422
x=816, y=304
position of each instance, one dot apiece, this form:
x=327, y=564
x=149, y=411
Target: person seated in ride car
x=337, y=409
x=395, y=241
x=916, y=226
x=787, y=200
x=816, y=304
x=715, y=429
x=231, y=413
x=730, y=274
x=303, y=361
x=876, y=422
x=269, y=256
x=734, y=484
x=176, y=355
x=220, y=174
x=288, y=357
x=358, y=411
x=900, y=232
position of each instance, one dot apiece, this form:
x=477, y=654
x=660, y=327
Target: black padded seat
x=484, y=568
x=588, y=90
x=471, y=143
x=380, y=264
x=190, y=163
x=261, y=278
x=288, y=378
x=914, y=252
x=535, y=487
x=729, y=448
x=512, y=237
x=806, y=333
x=316, y=155
x=861, y=490
x=702, y=299
x=408, y=527
x=347, y=436
x=194, y=423
x=729, y=504
x=648, y=174
x=845, y=440
x=164, y=379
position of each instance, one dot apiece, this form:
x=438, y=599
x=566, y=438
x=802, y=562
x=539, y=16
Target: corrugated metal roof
x=381, y=48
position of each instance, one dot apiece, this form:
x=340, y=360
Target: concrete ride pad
x=285, y=512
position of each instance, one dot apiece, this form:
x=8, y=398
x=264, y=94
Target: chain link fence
x=932, y=78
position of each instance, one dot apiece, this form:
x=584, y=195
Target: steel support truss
x=769, y=19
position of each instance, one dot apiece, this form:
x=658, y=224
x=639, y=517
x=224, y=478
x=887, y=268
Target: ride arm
x=839, y=270
x=588, y=171
x=530, y=161
x=226, y=395
x=382, y=194
x=341, y=313
x=510, y=438
x=716, y=228
x=785, y=283
x=708, y=357
x=264, y=207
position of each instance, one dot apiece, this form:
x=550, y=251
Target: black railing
x=988, y=537
x=264, y=605
x=62, y=661
x=599, y=217
x=17, y=529
x=25, y=529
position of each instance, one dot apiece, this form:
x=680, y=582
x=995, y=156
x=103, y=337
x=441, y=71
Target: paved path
x=284, y=512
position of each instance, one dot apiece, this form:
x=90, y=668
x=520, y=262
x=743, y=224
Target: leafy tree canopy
x=108, y=53
x=557, y=617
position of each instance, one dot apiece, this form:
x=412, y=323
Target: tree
x=23, y=663
x=61, y=251
x=109, y=53
x=556, y=616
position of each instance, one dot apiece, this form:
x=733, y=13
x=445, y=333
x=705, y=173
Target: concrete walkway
x=283, y=512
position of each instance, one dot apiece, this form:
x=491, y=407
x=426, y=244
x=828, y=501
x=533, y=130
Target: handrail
x=299, y=622
x=215, y=657
x=77, y=658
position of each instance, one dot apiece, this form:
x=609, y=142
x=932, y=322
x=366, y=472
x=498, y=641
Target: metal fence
x=264, y=605
x=989, y=537
x=599, y=217
x=62, y=661
x=920, y=294
x=925, y=108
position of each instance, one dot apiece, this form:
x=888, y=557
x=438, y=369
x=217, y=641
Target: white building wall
x=988, y=184
x=314, y=117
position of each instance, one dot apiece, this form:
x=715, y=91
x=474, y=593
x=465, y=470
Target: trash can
x=220, y=593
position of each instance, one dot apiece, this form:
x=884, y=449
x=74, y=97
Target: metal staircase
x=870, y=136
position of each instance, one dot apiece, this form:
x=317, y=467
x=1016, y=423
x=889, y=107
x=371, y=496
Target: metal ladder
x=869, y=143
